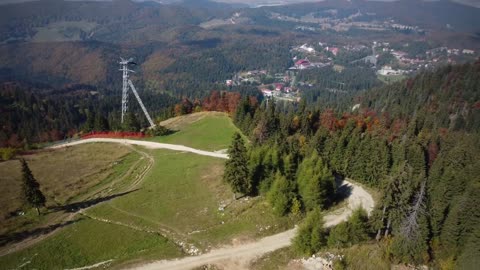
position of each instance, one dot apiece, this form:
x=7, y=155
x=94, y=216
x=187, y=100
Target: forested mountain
x=49, y=46
x=115, y=21
x=79, y=41
x=448, y=98
x=417, y=141
x=427, y=14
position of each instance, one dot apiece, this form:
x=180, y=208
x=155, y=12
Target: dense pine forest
x=417, y=141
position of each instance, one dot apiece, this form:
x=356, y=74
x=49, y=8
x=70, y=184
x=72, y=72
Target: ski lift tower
x=127, y=83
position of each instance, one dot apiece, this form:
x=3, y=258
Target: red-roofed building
x=267, y=93
x=303, y=64
x=333, y=50
x=278, y=86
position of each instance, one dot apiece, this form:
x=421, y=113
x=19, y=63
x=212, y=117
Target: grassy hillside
x=65, y=175
x=181, y=197
x=88, y=242
x=211, y=131
x=179, y=206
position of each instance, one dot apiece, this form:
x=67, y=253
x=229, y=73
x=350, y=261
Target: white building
x=306, y=48
x=387, y=70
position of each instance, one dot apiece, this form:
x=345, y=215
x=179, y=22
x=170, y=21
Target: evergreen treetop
x=236, y=168
x=31, y=188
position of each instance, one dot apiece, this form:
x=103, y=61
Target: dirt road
x=238, y=257
x=151, y=145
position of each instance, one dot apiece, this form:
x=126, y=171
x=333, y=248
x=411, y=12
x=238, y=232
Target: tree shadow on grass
x=74, y=207
x=20, y=236
x=69, y=208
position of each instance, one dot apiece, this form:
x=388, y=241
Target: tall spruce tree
x=131, y=123
x=315, y=182
x=31, y=188
x=281, y=195
x=101, y=123
x=236, y=168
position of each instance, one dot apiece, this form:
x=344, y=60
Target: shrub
x=310, y=237
x=354, y=231
x=281, y=195
x=159, y=130
x=7, y=153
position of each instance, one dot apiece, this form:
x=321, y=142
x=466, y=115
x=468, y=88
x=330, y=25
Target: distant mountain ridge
x=62, y=42
x=256, y=3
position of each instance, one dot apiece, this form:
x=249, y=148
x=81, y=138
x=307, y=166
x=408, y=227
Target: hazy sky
x=475, y=3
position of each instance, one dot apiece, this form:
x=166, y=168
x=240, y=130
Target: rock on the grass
x=324, y=262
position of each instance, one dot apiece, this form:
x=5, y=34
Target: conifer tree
x=131, y=122
x=350, y=150
x=236, y=167
x=315, y=182
x=354, y=231
x=471, y=252
x=281, y=195
x=31, y=188
x=90, y=122
x=416, y=158
x=311, y=234
x=101, y=123
x=256, y=168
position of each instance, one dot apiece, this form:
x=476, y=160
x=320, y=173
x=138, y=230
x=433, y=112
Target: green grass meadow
x=180, y=199
x=182, y=195
x=88, y=242
x=206, y=131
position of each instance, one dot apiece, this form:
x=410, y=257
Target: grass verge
x=88, y=242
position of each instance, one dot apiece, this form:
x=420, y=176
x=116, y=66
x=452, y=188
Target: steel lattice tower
x=126, y=84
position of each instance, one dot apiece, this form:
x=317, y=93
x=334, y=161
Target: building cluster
x=430, y=58
x=387, y=71
x=277, y=90
x=247, y=77
x=306, y=56
x=331, y=21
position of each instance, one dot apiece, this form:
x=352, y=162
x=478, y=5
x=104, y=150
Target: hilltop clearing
x=210, y=131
